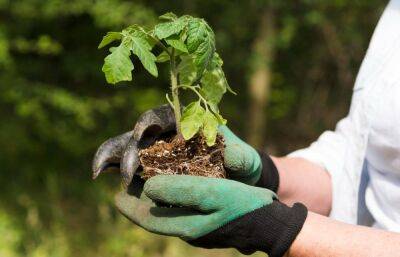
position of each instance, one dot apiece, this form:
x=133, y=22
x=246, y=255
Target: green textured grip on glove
x=242, y=160
x=200, y=205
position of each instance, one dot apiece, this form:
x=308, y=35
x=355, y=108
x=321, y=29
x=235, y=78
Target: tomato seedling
x=188, y=44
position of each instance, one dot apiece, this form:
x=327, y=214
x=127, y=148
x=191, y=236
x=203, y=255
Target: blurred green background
x=293, y=64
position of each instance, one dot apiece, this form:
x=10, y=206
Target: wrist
x=283, y=225
x=270, y=229
x=269, y=175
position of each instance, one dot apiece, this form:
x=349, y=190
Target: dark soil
x=174, y=155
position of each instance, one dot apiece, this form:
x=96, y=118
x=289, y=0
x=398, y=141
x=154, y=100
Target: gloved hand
x=243, y=162
x=121, y=153
x=246, y=165
x=213, y=213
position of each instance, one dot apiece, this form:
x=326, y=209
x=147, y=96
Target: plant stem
x=175, y=92
x=193, y=88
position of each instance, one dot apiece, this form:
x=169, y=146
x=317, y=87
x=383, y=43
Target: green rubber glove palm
x=242, y=160
x=200, y=205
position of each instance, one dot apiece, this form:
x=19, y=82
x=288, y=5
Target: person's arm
x=304, y=181
x=321, y=236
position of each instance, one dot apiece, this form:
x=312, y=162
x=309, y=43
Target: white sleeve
x=342, y=151
x=330, y=148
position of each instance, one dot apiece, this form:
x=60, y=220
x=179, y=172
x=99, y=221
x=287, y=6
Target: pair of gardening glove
x=242, y=212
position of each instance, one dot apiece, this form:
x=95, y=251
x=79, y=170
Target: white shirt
x=383, y=161
x=362, y=155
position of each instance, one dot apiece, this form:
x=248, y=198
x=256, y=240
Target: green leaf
x=109, y=38
x=216, y=63
x=220, y=119
x=230, y=89
x=196, y=33
x=178, y=52
x=200, y=43
x=176, y=42
x=213, y=86
x=183, y=34
x=166, y=29
x=142, y=49
x=163, y=57
x=138, y=31
x=192, y=119
x=168, y=16
x=210, y=128
x=117, y=65
x=187, y=70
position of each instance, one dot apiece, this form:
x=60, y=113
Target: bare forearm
x=322, y=236
x=306, y=182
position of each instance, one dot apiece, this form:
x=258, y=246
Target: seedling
x=188, y=44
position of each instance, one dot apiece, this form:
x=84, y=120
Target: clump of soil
x=174, y=155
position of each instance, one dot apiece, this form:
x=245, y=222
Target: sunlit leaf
x=200, y=43
x=163, y=57
x=142, y=49
x=220, y=119
x=210, y=127
x=168, y=16
x=213, y=85
x=187, y=70
x=117, y=65
x=109, y=38
x=176, y=42
x=166, y=29
x=192, y=120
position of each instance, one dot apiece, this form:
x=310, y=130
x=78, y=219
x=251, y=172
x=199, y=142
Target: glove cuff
x=269, y=177
x=271, y=229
